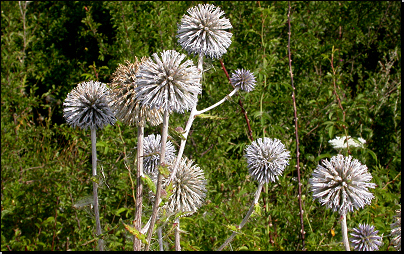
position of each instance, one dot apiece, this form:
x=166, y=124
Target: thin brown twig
x=297, y=135
x=240, y=103
x=56, y=215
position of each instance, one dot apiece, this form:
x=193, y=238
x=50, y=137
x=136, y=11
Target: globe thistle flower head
x=168, y=83
x=189, y=188
x=243, y=79
x=396, y=231
x=203, y=31
x=365, y=238
x=342, y=184
x=151, y=151
x=266, y=158
x=86, y=106
x=123, y=101
x=341, y=143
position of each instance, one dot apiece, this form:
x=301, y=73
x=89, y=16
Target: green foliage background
x=48, y=48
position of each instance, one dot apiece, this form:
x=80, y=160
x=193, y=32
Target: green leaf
x=164, y=171
x=207, y=116
x=136, y=233
x=146, y=180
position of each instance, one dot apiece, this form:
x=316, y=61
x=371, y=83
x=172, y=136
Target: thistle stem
x=95, y=187
x=193, y=114
x=177, y=235
x=139, y=187
x=344, y=232
x=160, y=236
x=219, y=102
x=159, y=179
x=256, y=198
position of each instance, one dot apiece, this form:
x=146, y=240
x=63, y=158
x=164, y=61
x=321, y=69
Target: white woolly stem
x=139, y=187
x=187, y=128
x=344, y=232
x=159, y=179
x=95, y=187
x=177, y=235
x=219, y=102
x=160, y=236
x=257, y=196
x=193, y=114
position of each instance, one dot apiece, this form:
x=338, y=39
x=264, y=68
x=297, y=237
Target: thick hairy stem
x=297, y=135
x=344, y=232
x=95, y=187
x=159, y=179
x=187, y=127
x=177, y=235
x=256, y=198
x=139, y=187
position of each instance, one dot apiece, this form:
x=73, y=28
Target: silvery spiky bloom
x=243, y=79
x=396, y=231
x=342, y=184
x=365, y=238
x=123, y=102
x=167, y=83
x=189, y=188
x=266, y=159
x=203, y=31
x=152, y=149
x=340, y=142
x=87, y=106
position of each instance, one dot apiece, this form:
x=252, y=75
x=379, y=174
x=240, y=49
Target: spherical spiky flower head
x=203, y=31
x=189, y=188
x=167, y=83
x=267, y=159
x=243, y=79
x=342, y=184
x=396, y=231
x=365, y=238
x=87, y=106
x=123, y=102
x=151, y=151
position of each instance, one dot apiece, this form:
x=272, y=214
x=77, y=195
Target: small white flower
x=341, y=143
x=203, y=31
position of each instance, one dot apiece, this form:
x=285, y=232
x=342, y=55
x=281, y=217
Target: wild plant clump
x=196, y=145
